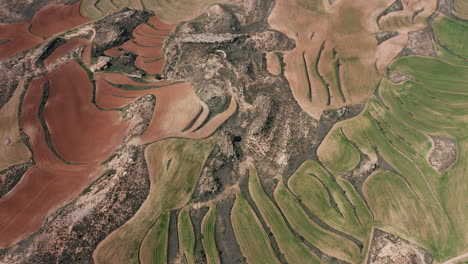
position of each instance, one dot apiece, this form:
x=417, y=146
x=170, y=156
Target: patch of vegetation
x=323, y=196
x=335, y=147
x=293, y=249
x=159, y=235
x=453, y=34
x=208, y=236
x=252, y=238
x=174, y=166
x=328, y=242
x=186, y=236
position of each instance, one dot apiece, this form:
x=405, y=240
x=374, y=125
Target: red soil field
x=115, y=51
x=64, y=49
x=47, y=185
x=49, y=20
x=55, y=18
x=140, y=50
x=176, y=106
x=211, y=126
x=149, y=31
x=19, y=39
x=147, y=44
x=151, y=66
x=85, y=136
x=77, y=126
x=159, y=25
x=86, y=54
x=111, y=97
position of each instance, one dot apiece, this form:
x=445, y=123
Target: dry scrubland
x=73, y=119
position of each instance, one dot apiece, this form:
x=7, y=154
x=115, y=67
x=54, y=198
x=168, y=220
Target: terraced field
x=169, y=11
x=246, y=131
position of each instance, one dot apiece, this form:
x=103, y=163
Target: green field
x=291, y=247
x=335, y=147
x=208, y=235
x=328, y=242
x=407, y=196
x=453, y=34
x=186, y=236
x=250, y=235
x=174, y=166
x=158, y=235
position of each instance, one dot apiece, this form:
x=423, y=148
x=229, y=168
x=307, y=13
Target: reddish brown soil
x=151, y=66
x=176, y=106
x=19, y=39
x=110, y=97
x=56, y=18
x=147, y=44
x=149, y=31
x=142, y=50
x=159, y=25
x=76, y=126
x=211, y=126
x=64, y=49
x=115, y=51
x=86, y=54
x=81, y=135
x=48, y=184
x=50, y=20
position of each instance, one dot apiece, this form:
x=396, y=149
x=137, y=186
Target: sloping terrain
x=237, y=131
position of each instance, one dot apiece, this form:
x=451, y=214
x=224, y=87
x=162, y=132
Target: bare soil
x=443, y=154
x=387, y=248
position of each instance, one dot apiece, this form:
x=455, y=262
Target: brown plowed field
x=19, y=39
x=47, y=185
x=147, y=44
x=64, y=49
x=159, y=25
x=176, y=106
x=151, y=66
x=86, y=54
x=81, y=135
x=50, y=20
x=211, y=126
x=56, y=18
x=115, y=51
x=110, y=97
x=75, y=124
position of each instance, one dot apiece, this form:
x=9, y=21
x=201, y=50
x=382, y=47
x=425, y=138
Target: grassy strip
x=453, y=34
x=336, y=147
x=327, y=242
x=174, y=167
x=448, y=56
x=336, y=211
x=158, y=235
x=208, y=236
x=252, y=238
x=293, y=249
x=186, y=236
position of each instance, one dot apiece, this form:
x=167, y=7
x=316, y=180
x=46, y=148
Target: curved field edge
x=174, y=166
x=186, y=236
x=158, y=235
x=252, y=238
x=13, y=150
x=291, y=247
x=171, y=12
x=208, y=227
